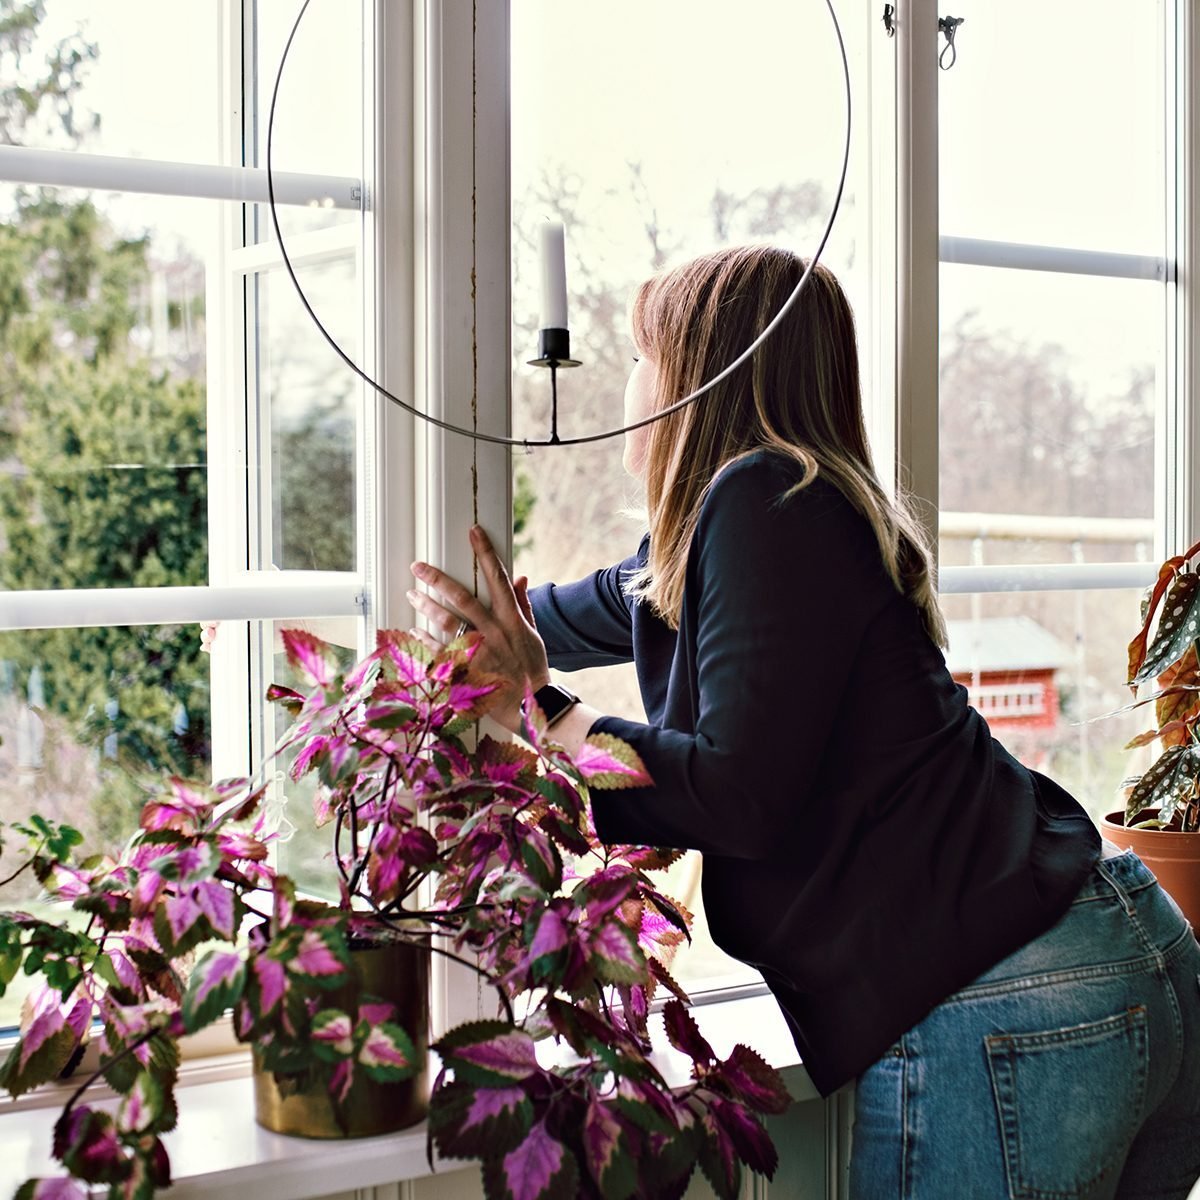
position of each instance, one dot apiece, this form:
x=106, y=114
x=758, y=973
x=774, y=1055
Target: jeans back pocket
x=1069, y=1102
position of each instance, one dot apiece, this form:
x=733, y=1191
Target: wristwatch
x=554, y=701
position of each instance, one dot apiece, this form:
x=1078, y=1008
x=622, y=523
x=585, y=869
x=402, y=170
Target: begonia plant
x=1168, y=664
x=469, y=846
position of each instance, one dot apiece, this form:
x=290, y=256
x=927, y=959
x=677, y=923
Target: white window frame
x=921, y=247
x=436, y=259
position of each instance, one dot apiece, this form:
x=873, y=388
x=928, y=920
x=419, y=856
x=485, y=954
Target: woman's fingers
x=430, y=643
x=500, y=589
x=460, y=599
x=521, y=590
x=438, y=616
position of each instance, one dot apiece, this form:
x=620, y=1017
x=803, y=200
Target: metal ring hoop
x=528, y=443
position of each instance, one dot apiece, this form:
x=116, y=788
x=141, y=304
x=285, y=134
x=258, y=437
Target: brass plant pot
x=394, y=971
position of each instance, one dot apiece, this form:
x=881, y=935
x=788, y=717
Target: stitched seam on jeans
x=1133, y=891
x=1023, y=983
x=903, y=1121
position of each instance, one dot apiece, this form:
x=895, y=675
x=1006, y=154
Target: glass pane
x=102, y=404
x=1051, y=124
x=1045, y=669
x=319, y=111
x=647, y=163
x=76, y=64
x=89, y=716
x=1048, y=401
x=303, y=851
x=309, y=413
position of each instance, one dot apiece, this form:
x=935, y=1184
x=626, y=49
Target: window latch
x=948, y=27
x=889, y=19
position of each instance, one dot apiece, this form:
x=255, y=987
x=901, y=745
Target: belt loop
x=1126, y=903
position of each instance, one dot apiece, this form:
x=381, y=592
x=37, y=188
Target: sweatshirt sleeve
x=587, y=623
x=781, y=594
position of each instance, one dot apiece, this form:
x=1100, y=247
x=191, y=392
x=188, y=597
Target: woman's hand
x=511, y=649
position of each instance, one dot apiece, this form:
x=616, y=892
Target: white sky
x=1049, y=124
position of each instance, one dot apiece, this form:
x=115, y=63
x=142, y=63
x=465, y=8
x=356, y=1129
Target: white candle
x=554, y=276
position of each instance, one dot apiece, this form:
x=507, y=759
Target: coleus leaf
x=753, y=1081
x=180, y=924
x=216, y=984
x=665, y=977
x=387, y=1052
x=320, y=956
x=471, y=1122
x=750, y=1139
x=1171, y=781
x=218, y=903
x=490, y=1053
x=539, y=1168
x=86, y=1142
x=312, y=657
x=289, y=699
x=668, y=1161
x=541, y=859
x=25, y=1068
x=143, y=1106
x=675, y=914
x=614, y=953
x=606, y=1150
x=52, y=1189
x=606, y=762
x=719, y=1159
x=564, y=833
x=647, y=1105
x=1178, y=627
x=504, y=762
x=684, y=1034
x=649, y=858
x=548, y=932
x=333, y=1032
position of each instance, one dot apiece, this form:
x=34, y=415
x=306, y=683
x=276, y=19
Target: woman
x=1019, y=1009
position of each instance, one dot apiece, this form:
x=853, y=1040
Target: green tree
x=102, y=485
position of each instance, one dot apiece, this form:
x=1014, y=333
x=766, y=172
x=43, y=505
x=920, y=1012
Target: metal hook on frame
x=889, y=19
x=948, y=26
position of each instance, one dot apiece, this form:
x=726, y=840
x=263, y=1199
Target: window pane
x=304, y=851
x=1048, y=400
x=308, y=413
x=171, y=50
x=319, y=112
x=1042, y=667
x=89, y=717
x=1051, y=124
x=647, y=163
x=102, y=404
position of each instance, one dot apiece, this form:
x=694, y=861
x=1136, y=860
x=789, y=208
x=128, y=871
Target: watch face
x=554, y=701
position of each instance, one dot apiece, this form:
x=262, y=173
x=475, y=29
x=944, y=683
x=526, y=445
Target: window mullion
x=1179, y=497
x=463, y=289
x=917, y=256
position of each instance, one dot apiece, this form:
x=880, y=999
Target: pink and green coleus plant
x=475, y=848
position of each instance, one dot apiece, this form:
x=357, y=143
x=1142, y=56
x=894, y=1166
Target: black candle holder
x=554, y=351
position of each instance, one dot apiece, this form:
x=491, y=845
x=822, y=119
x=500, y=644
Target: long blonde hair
x=798, y=394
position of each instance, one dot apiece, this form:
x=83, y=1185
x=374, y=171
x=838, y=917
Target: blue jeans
x=1069, y=1071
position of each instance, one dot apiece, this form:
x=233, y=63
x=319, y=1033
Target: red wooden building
x=1008, y=666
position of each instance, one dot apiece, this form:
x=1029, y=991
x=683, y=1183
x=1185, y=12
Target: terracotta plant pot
x=1173, y=857
x=397, y=972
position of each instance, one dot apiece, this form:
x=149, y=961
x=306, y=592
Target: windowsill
x=217, y=1149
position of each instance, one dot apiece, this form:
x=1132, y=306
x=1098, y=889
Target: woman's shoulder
x=772, y=480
